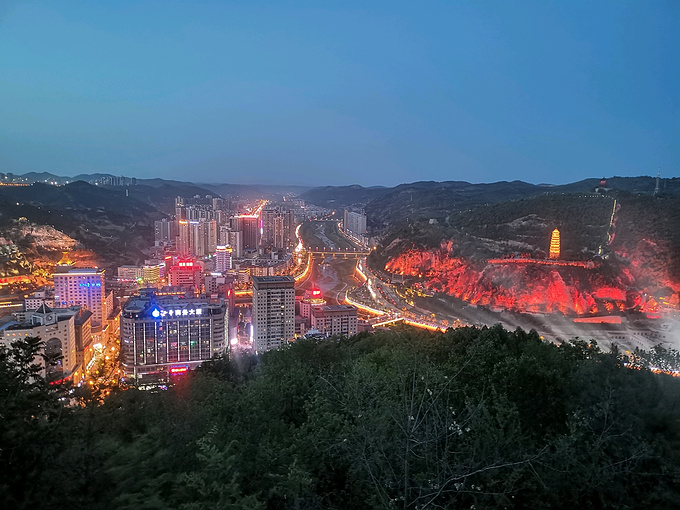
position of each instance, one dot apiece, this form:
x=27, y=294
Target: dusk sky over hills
x=337, y=93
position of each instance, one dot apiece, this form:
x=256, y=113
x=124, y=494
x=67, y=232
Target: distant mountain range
x=188, y=188
x=437, y=200
x=117, y=221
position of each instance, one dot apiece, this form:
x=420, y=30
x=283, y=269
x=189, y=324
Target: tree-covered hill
x=517, y=226
x=343, y=196
x=647, y=233
x=161, y=195
x=115, y=226
x=426, y=200
x=438, y=200
x=481, y=418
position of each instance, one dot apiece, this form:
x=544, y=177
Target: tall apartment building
x=248, y=226
x=223, y=259
x=183, y=243
x=354, y=222
x=81, y=286
x=223, y=235
x=236, y=243
x=211, y=236
x=197, y=238
x=278, y=227
x=165, y=230
x=273, y=311
x=162, y=336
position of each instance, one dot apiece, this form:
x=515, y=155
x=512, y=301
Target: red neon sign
x=178, y=370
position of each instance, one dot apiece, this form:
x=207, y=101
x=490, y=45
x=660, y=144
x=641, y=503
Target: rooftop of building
x=43, y=308
x=147, y=302
x=62, y=270
x=18, y=326
x=82, y=316
x=273, y=279
x=335, y=308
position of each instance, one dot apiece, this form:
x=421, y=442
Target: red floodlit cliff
x=530, y=287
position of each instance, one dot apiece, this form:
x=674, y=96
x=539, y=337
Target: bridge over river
x=337, y=252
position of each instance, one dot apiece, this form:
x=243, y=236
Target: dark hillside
x=512, y=227
x=343, y=196
x=104, y=220
x=162, y=196
x=439, y=200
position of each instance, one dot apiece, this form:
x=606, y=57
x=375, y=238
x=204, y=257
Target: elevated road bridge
x=338, y=252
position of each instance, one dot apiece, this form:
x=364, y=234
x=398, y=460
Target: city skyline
x=382, y=94
x=339, y=255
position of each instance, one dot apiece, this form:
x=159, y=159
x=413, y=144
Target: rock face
x=538, y=287
x=12, y=261
x=46, y=237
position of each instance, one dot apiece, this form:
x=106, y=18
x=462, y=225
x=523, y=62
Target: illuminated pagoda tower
x=555, y=244
x=65, y=260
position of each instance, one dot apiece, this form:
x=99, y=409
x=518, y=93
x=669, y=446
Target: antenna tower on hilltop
x=657, y=189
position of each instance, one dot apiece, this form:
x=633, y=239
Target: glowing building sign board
x=155, y=313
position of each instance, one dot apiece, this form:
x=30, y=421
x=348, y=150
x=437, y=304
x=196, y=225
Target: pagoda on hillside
x=555, y=244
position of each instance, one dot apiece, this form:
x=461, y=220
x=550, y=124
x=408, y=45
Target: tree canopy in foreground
x=402, y=419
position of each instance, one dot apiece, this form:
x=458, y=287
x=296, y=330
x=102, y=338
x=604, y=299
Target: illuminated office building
x=162, y=336
x=81, y=286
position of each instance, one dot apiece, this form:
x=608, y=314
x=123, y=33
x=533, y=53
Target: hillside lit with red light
x=539, y=286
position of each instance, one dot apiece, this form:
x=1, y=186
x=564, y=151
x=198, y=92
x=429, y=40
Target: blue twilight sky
x=345, y=92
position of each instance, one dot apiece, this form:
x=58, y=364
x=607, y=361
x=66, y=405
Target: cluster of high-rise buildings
x=163, y=335
x=227, y=236
x=114, y=180
x=200, y=225
x=179, y=309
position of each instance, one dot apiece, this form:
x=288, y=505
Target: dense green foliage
x=401, y=419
